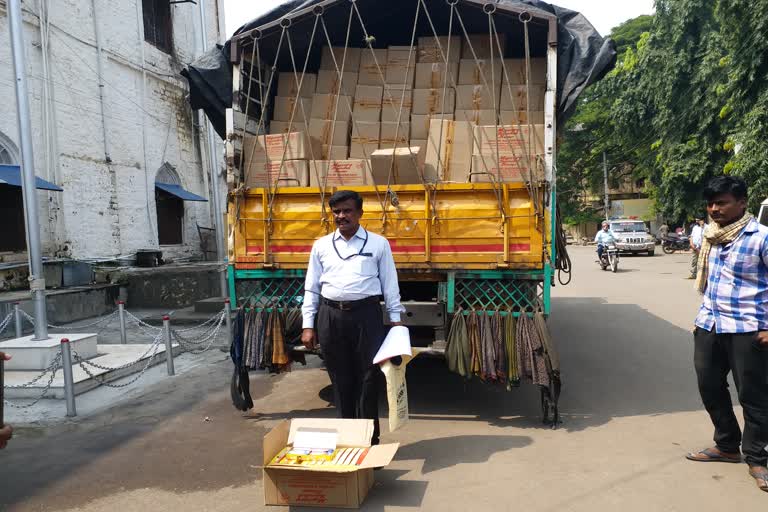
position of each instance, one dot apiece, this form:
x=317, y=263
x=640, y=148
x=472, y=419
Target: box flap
x=316, y=439
x=379, y=456
x=351, y=432
x=275, y=440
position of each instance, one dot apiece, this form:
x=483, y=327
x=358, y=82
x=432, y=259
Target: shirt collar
x=360, y=234
x=752, y=226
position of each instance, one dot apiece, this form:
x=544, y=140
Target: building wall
x=108, y=206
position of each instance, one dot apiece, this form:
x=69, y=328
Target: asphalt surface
x=630, y=412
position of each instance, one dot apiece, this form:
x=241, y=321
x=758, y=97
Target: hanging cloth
x=500, y=359
x=533, y=366
x=280, y=359
x=473, y=328
x=457, y=353
x=488, y=371
x=513, y=375
x=240, y=382
x=552, y=359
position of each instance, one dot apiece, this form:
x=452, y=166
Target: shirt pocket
x=365, y=266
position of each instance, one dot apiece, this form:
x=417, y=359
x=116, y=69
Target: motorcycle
x=609, y=258
x=672, y=243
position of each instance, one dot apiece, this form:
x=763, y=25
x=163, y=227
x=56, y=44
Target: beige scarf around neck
x=714, y=234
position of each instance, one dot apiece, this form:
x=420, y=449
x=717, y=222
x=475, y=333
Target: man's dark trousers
x=714, y=356
x=350, y=339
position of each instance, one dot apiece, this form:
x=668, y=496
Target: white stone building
x=110, y=119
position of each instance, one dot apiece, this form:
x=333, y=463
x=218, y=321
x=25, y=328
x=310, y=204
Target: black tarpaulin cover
x=584, y=57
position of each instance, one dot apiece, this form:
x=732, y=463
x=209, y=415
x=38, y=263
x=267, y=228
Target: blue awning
x=11, y=175
x=179, y=192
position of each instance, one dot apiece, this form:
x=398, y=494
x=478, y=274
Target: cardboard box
x=401, y=71
x=365, y=139
x=292, y=173
x=480, y=72
x=324, y=106
x=405, y=169
x=367, y=103
x=420, y=125
x=449, y=151
x=352, y=62
x=391, y=136
x=433, y=75
x=476, y=97
x=520, y=117
x=510, y=169
x=516, y=70
x=362, y=150
x=481, y=44
x=396, y=98
x=370, y=62
x=335, y=153
x=329, y=82
x=429, y=49
x=512, y=140
x=290, y=146
x=485, y=117
x=519, y=94
x=340, y=173
x=328, y=133
x=284, y=109
x=287, y=85
x=432, y=101
x=277, y=127
x=327, y=485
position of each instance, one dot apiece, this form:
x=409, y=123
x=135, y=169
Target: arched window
x=170, y=208
x=14, y=238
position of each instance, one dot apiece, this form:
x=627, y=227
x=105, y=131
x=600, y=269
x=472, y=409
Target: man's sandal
x=712, y=455
x=761, y=477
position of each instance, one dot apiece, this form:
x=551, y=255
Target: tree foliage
x=688, y=100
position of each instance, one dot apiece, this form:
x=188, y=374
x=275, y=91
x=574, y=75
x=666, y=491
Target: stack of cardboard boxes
x=402, y=115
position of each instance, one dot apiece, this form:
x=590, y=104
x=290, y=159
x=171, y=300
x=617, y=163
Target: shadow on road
x=446, y=452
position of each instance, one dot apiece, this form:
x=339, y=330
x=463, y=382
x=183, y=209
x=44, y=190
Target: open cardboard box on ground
x=323, y=485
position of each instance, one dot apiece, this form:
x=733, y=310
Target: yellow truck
x=486, y=244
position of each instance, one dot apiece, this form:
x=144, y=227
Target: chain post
x=168, y=345
x=17, y=319
x=69, y=381
x=121, y=313
x=228, y=320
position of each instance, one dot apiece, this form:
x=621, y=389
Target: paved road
x=630, y=407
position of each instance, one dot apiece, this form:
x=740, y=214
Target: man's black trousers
x=715, y=355
x=350, y=340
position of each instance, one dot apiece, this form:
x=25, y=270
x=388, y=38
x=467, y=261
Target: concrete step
x=212, y=305
x=112, y=356
x=34, y=356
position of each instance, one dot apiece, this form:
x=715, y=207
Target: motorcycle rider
x=604, y=237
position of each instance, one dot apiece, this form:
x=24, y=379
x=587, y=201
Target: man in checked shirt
x=731, y=333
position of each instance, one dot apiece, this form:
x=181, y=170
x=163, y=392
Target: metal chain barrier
x=195, y=346
x=85, y=364
x=99, y=321
x=52, y=368
x=5, y=323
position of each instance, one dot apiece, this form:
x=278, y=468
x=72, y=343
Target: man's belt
x=349, y=305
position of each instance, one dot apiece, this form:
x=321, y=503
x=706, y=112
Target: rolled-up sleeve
x=389, y=285
x=311, y=290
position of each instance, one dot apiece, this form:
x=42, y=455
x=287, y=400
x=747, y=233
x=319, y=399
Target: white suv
x=632, y=236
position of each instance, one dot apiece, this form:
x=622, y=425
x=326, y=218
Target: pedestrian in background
x=697, y=236
x=731, y=334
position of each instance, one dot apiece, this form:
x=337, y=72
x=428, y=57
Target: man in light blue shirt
x=349, y=271
x=603, y=238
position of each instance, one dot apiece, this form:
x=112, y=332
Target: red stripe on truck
x=403, y=249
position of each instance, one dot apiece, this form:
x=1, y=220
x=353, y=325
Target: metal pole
x=605, y=184
x=17, y=320
x=168, y=345
x=69, y=381
x=228, y=320
x=29, y=192
x=214, y=166
x=121, y=313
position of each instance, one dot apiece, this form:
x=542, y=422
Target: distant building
x=111, y=126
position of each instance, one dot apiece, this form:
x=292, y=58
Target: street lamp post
x=29, y=192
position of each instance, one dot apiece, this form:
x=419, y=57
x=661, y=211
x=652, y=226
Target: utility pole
x=218, y=212
x=28, y=190
x=605, y=184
